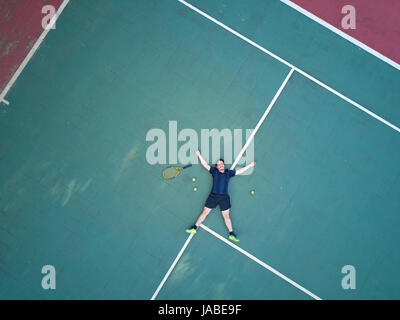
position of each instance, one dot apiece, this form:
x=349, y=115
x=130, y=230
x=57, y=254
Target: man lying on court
x=219, y=193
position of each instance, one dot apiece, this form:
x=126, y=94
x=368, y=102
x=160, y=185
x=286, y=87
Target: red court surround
x=20, y=27
x=377, y=21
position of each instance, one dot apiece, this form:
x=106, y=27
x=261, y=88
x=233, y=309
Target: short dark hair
x=220, y=160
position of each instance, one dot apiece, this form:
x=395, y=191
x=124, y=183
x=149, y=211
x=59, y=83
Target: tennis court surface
x=78, y=193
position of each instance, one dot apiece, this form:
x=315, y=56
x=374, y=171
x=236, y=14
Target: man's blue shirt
x=221, y=180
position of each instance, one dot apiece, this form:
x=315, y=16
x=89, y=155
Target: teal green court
x=77, y=192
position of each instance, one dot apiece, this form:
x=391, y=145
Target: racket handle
x=189, y=165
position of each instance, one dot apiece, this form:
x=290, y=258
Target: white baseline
x=372, y=114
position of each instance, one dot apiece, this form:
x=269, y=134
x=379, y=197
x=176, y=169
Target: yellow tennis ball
x=252, y=191
x=193, y=179
x=194, y=189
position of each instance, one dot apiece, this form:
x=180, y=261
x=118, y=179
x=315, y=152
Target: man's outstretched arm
x=241, y=170
x=202, y=161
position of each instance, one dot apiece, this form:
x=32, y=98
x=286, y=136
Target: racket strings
x=170, y=172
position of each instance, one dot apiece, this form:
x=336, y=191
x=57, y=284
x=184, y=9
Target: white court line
x=33, y=50
x=266, y=266
x=342, y=34
x=262, y=119
x=172, y=267
x=372, y=114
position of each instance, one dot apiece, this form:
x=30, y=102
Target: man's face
x=220, y=166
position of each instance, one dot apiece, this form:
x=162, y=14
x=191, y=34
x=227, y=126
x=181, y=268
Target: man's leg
x=228, y=224
x=202, y=216
x=227, y=220
x=200, y=219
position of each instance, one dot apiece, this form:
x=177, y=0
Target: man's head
x=220, y=165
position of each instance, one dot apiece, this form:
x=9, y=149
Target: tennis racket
x=172, y=172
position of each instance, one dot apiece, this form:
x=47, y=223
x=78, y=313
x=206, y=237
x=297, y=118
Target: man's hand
x=202, y=161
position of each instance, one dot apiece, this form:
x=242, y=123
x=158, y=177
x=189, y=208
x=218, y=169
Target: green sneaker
x=233, y=238
x=191, y=231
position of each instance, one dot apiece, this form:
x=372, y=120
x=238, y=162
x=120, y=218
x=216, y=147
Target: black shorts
x=222, y=200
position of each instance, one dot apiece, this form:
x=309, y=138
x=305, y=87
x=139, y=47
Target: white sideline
x=266, y=266
x=372, y=114
x=342, y=34
x=32, y=52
